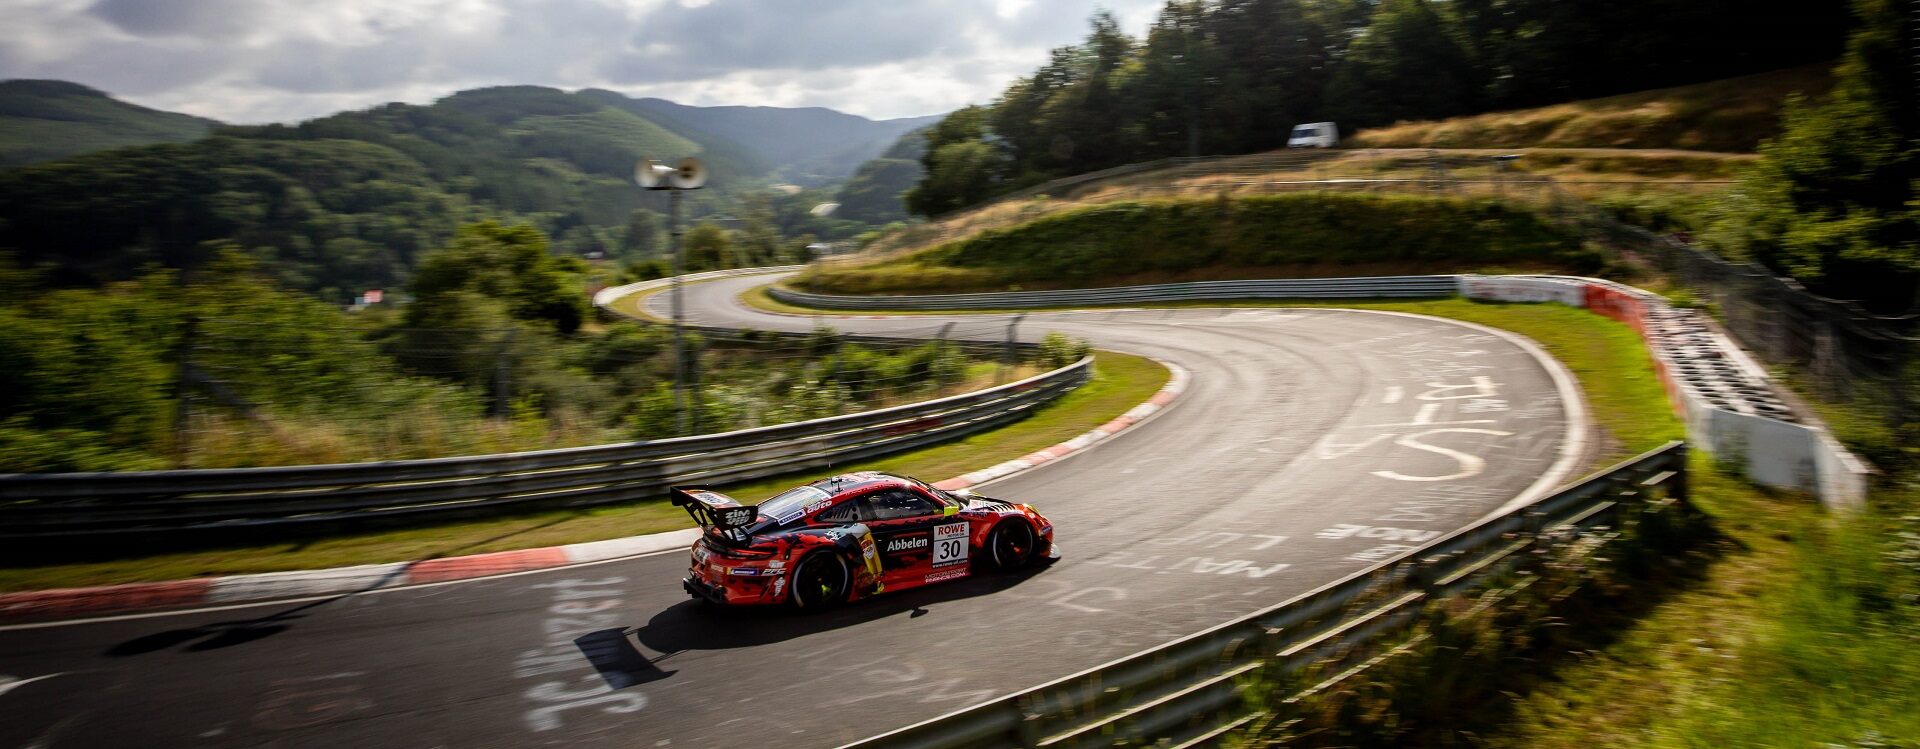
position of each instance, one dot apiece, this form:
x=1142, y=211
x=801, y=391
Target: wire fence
x=1832, y=348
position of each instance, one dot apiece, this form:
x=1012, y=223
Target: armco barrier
x=1190, y=691
x=1277, y=288
x=1728, y=402
x=49, y=509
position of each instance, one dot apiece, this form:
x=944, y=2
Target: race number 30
x=949, y=544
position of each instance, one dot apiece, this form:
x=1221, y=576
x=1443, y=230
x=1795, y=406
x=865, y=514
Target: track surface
x=1311, y=443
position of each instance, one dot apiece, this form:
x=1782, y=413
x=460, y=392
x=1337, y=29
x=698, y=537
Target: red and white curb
x=66, y=603
x=70, y=602
x=1176, y=385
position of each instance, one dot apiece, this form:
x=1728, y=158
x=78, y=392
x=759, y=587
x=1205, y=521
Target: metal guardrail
x=1190, y=690
x=1416, y=287
x=40, y=510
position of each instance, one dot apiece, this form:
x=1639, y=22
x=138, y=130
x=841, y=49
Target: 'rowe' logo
x=907, y=544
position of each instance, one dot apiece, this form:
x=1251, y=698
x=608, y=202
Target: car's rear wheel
x=820, y=581
x=1011, y=545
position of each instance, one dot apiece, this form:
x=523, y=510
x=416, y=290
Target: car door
x=904, y=525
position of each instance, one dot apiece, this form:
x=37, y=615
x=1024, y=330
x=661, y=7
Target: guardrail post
x=1011, y=357
x=939, y=359
x=1680, y=486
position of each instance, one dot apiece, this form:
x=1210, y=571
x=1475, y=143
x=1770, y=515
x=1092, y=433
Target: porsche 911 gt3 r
x=852, y=536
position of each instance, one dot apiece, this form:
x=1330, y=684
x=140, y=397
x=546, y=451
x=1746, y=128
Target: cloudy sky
x=251, y=61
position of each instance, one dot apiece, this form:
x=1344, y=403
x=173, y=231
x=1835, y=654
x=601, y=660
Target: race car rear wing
x=711, y=509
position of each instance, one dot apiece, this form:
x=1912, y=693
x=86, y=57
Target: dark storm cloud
x=195, y=18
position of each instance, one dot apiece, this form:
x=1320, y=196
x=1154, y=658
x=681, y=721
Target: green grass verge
x=1800, y=632
x=1120, y=382
x=1801, y=629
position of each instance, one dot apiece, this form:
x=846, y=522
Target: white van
x=1314, y=135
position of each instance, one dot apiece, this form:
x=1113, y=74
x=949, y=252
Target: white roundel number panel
x=949, y=544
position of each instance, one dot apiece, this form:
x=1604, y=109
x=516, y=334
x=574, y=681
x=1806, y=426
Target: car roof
x=848, y=484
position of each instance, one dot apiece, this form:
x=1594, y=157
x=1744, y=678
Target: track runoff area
x=1311, y=443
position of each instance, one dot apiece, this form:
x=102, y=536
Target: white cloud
x=278, y=60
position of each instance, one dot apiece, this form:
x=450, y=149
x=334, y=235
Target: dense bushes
x=1141, y=239
x=231, y=371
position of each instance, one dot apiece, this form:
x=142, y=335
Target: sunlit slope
x=1188, y=239
x=1734, y=114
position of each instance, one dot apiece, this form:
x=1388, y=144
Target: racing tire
x=1011, y=546
x=822, y=580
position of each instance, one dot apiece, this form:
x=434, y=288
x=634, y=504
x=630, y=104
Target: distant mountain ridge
x=349, y=201
x=808, y=146
x=43, y=120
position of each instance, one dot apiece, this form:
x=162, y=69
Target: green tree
x=640, y=238
x=1832, y=202
x=1410, y=64
x=708, y=247
x=506, y=263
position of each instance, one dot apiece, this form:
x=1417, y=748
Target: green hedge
x=1138, y=239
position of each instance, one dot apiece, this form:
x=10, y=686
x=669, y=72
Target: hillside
x=873, y=193
x=809, y=146
x=1270, y=236
x=48, y=120
x=348, y=201
x=1734, y=114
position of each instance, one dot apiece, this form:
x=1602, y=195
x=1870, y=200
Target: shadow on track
x=697, y=625
x=240, y=632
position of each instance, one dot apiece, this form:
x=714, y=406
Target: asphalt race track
x=1310, y=444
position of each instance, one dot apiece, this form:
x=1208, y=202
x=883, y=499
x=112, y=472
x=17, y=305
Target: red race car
x=852, y=536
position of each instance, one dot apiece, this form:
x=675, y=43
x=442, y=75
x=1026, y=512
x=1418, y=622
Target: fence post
x=183, y=393
x=693, y=380
x=503, y=375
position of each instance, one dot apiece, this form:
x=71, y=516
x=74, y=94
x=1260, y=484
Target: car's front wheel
x=820, y=581
x=1011, y=545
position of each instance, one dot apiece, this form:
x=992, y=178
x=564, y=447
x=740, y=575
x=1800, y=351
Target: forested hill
x=809, y=146
x=1221, y=77
x=47, y=120
x=348, y=201
x=874, y=193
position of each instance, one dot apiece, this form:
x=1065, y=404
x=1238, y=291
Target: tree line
x=1233, y=76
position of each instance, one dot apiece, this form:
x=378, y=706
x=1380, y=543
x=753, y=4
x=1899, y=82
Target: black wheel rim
x=820, y=579
x=1012, y=545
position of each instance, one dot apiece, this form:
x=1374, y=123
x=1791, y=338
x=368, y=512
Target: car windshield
x=1305, y=132
x=938, y=493
x=792, y=503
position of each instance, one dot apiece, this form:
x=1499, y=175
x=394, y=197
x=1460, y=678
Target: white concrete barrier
x=1523, y=289
x=1720, y=392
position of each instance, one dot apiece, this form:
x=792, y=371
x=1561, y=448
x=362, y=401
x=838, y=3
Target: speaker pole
x=682, y=415
x=690, y=175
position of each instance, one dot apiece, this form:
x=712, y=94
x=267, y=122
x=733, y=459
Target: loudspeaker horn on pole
x=689, y=175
